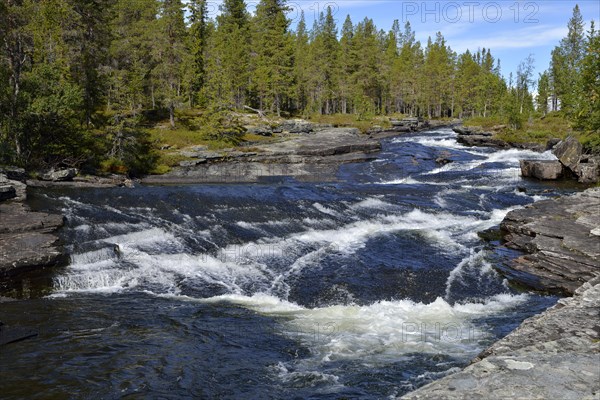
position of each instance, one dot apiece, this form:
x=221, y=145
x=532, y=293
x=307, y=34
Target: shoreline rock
x=556, y=354
x=304, y=155
x=27, y=239
x=476, y=136
x=557, y=235
x=572, y=163
x=553, y=355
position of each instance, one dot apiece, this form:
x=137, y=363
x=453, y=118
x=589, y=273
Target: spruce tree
x=301, y=64
x=229, y=61
x=348, y=65
x=273, y=62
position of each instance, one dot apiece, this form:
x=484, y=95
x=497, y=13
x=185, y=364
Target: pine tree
x=170, y=54
x=17, y=45
x=198, y=38
x=437, y=77
x=88, y=35
x=543, y=93
x=407, y=71
x=366, y=81
x=324, y=64
x=390, y=54
x=524, y=83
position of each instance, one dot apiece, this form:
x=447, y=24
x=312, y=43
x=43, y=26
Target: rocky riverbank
x=304, y=151
x=27, y=239
x=474, y=136
x=554, y=355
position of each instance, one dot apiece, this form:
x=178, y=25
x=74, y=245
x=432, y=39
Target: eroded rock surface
x=27, y=240
x=557, y=234
x=554, y=355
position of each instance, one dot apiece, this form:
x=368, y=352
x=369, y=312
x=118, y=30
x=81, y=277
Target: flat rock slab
x=554, y=355
x=306, y=157
x=27, y=240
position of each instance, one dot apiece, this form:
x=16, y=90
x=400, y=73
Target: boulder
x=297, y=126
x=465, y=131
x=7, y=192
x=14, y=173
x=539, y=148
x=562, y=254
x=543, y=170
x=60, y=175
x=569, y=153
x=551, y=143
x=375, y=129
x=260, y=130
x=482, y=141
x=589, y=172
x=462, y=130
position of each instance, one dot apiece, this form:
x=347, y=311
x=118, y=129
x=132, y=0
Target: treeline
x=572, y=82
x=79, y=77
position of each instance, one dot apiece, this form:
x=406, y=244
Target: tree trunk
x=172, y=114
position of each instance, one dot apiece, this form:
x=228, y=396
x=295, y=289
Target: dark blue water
x=366, y=287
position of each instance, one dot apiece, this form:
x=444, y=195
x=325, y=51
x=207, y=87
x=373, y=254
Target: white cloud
x=529, y=37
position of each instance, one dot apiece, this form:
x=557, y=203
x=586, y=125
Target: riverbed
x=369, y=285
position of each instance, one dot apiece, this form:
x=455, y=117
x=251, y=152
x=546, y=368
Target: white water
x=134, y=258
x=382, y=331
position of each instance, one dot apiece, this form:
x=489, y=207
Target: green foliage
x=129, y=148
x=588, y=115
x=273, y=64
x=219, y=124
x=92, y=83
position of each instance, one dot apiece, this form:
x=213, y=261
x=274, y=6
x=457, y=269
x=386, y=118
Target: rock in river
x=569, y=153
x=541, y=169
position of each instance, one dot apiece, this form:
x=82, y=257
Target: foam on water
x=382, y=331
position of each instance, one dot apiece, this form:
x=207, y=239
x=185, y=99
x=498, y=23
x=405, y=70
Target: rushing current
x=366, y=287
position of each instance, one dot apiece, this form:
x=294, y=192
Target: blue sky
x=511, y=29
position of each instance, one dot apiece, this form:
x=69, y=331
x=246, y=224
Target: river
x=366, y=287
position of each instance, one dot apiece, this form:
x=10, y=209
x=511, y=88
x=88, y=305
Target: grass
x=537, y=130
x=484, y=122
